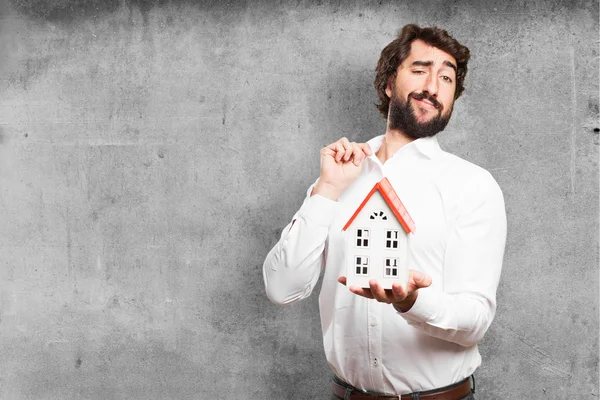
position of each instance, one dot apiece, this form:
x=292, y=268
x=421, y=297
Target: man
x=418, y=341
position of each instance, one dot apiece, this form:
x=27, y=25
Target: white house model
x=377, y=239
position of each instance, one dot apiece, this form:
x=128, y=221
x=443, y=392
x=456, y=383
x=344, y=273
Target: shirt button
x=373, y=322
x=375, y=363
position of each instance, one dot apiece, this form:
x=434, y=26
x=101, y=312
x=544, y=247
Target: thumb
x=421, y=279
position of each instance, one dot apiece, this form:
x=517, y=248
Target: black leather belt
x=453, y=392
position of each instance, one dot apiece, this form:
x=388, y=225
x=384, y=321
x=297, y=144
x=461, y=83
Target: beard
x=402, y=117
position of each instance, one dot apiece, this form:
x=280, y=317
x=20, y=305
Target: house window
x=378, y=215
x=391, y=239
x=362, y=237
x=391, y=268
x=361, y=264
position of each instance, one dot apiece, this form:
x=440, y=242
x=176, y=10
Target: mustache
x=426, y=96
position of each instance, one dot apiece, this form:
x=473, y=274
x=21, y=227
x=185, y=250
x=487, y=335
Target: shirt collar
x=427, y=146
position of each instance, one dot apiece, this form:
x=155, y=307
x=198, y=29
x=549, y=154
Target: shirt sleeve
x=292, y=268
x=461, y=309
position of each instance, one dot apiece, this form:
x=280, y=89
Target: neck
x=392, y=142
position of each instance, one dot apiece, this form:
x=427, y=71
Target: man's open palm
x=403, y=298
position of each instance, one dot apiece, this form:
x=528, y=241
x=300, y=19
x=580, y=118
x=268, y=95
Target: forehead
x=421, y=51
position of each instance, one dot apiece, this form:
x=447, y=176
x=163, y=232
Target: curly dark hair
x=394, y=53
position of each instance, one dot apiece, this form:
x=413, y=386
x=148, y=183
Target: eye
x=418, y=71
x=447, y=78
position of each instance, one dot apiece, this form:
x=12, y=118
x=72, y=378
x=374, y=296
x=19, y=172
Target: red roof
x=393, y=201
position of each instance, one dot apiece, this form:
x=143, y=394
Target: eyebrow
x=430, y=63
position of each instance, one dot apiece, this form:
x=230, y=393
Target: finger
x=332, y=146
x=399, y=292
x=361, y=292
x=345, y=142
x=326, y=151
x=357, y=155
x=418, y=279
x=347, y=149
x=366, y=148
x=342, y=280
x=378, y=292
x=339, y=152
x=333, y=150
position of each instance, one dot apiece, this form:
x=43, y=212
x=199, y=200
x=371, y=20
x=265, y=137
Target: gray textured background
x=151, y=152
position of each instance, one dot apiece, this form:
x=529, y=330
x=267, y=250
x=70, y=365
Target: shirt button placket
x=374, y=320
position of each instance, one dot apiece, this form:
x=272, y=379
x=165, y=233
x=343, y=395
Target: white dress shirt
x=458, y=210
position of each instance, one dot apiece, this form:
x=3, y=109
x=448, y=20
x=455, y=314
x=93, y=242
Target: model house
x=377, y=239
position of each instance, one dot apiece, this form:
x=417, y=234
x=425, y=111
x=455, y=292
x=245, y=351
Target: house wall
x=376, y=251
x=152, y=151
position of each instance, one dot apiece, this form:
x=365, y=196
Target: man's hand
x=341, y=163
x=403, y=299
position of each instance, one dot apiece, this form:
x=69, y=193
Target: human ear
x=390, y=87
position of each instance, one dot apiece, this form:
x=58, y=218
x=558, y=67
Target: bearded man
x=418, y=341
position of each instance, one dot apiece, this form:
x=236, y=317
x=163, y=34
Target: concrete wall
x=151, y=152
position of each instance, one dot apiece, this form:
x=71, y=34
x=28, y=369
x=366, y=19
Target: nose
x=431, y=85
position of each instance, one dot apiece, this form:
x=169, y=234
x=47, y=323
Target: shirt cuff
x=320, y=211
x=423, y=309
